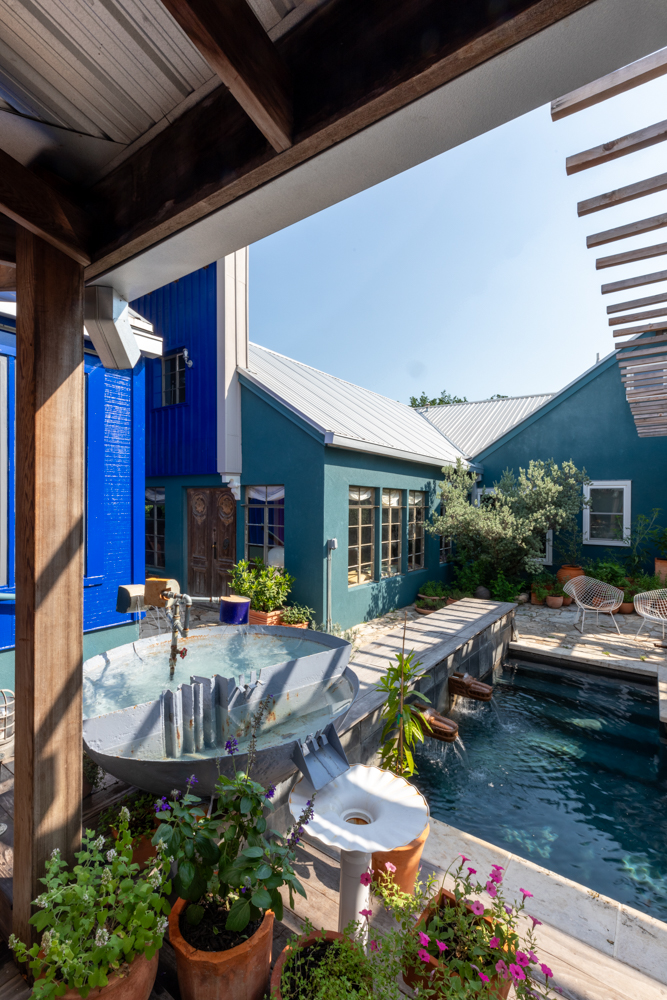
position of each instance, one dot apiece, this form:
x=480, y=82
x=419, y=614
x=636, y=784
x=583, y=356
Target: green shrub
x=503, y=589
x=434, y=588
x=267, y=586
x=608, y=570
x=295, y=614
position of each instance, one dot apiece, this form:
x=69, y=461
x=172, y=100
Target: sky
x=468, y=273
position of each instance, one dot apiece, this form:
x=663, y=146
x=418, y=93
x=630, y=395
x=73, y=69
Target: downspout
x=331, y=545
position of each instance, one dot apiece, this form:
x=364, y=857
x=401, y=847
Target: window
x=155, y=527
x=547, y=549
x=391, y=532
x=173, y=379
x=361, y=535
x=416, y=514
x=445, y=543
x=265, y=524
x=607, y=520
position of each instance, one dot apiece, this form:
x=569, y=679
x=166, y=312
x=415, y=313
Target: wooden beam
x=646, y=351
x=644, y=328
x=630, y=256
x=636, y=282
x=33, y=204
x=618, y=82
x=621, y=195
x=7, y=278
x=631, y=317
x=234, y=44
x=352, y=65
x=652, y=365
x=49, y=564
x=616, y=147
x=7, y=241
x=648, y=300
x=631, y=229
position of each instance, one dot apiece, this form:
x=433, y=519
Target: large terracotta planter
x=498, y=988
x=425, y=611
x=240, y=973
x=298, y=625
x=137, y=985
x=265, y=617
x=566, y=573
x=554, y=602
x=661, y=569
x=315, y=938
x=406, y=859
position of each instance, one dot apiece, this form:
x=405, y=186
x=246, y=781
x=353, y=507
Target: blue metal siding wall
x=182, y=439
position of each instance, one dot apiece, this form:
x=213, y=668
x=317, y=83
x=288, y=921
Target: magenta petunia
x=501, y=969
x=526, y=893
x=375, y=946
x=473, y=871
x=485, y=979
x=477, y=908
x=522, y=959
x=546, y=970
x=496, y=877
x=423, y=938
x=365, y=878
x=441, y=946
x=498, y=868
x=536, y=922
x=494, y=942
x=424, y=955
x=463, y=858
x=533, y=957
x=492, y=889
x=390, y=868
x=366, y=913
x=517, y=972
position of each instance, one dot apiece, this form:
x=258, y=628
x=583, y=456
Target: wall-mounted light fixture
x=186, y=358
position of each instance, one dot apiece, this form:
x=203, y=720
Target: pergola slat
x=631, y=331
x=611, y=150
x=637, y=282
x=649, y=68
x=641, y=352
x=647, y=300
x=7, y=278
x=622, y=195
x=630, y=229
x=630, y=256
x=633, y=317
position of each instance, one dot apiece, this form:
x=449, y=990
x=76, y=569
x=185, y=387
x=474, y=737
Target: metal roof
x=474, y=426
x=347, y=415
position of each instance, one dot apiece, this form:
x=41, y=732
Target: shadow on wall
x=386, y=596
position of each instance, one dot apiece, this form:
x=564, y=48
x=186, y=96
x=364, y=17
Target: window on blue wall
x=361, y=535
x=392, y=519
x=445, y=542
x=265, y=524
x=155, y=520
x=173, y=379
x=416, y=514
x=607, y=518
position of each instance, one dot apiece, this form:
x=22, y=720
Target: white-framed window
x=155, y=522
x=416, y=515
x=547, y=557
x=361, y=535
x=265, y=524
x=173, y=379
x=608, y=518
x=391, y=532
x=445, y=542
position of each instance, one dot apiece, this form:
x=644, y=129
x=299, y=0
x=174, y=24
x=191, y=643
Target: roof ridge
x=476, y=402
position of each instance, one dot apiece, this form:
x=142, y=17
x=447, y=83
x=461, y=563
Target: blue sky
x=469, y=272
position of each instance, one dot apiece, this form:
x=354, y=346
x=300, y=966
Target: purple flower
x=517, y=972
x=495, y=876
x=485, y=979
x=492, y=889
x=522, y=959
x=533, y=957
x=390, y=868
x=192, y=780
x=463, y=858
x=375, y=946
x=365, y=878
x=424, y=955
x=536, y=922
x=499, y=868
x=231, y=746
x=162, y=805
x=366, y=913
x=546, y=970
x=270, y=792
x=423, y=938
x=501, y=969
x=494, y=942
x=508, y=909
x=477, y=908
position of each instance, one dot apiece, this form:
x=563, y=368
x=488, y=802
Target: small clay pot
x=567, y=601
x=86, y=789
x=661, y=569
x=291, y=625
x=626, y=608
x=430, y=597
x=315, y=938
x=136, y=985
x=406, y=860
x=452, y=600
x=265, y=617
x=534, y=600
x=554, y=602
x=425, y=611
x=566, y=573
x=240, y=973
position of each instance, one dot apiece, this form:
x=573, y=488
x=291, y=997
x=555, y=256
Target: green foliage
x=95, y=919
x=508, y=533
x=92, y=772
x=659, y=538
x=142, y=817
x=402, y=729
x=434, y=588
x=643, y=531
x=567, y=545
x=337, y=970
x=444, y=399
x=503, y=589
x=430, y=605
x=608, y=570
x=469, y=576
x=295, y=614
x=267, y=587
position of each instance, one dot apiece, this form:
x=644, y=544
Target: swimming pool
x=565, y=769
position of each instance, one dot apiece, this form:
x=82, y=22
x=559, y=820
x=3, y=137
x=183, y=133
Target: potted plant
x=539, y=593
x=228, y=881
x=567, y=544
x=659, y=536
x=142, y=825
x=298, y=616
x=433, y=590
x=267, y=587
x=324, y=965
x=627, y=606
x=93, y=775
x=555, y=596
x=427, y=605
x=101, y=923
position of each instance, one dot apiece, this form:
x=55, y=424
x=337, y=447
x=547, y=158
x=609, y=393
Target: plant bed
x=143, y=824
x=297, y=616
x=264, y=617
x=267, y=587
x=302, y=969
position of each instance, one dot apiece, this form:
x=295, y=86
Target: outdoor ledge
x=546, y=652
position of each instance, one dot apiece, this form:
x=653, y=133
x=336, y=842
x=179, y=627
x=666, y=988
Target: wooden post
x=49, y=563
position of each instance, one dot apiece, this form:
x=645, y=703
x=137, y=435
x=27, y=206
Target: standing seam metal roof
x=347, y=415
x=472, y=427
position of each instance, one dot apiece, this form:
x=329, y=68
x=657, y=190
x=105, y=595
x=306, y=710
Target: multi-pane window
x=416, y=514
x=391, y=532
x=606, y=521
x=445, y=542
x=155, y=527
x=361, y=535
x=173, y=379
x=265, y=524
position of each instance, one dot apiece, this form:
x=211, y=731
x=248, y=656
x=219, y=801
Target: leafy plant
x=659, y=537
x=92, y=772
x=267, y=586
x=329, y=970
x=642, y=531
x=95, y=919
x=469, y=576
x=567, y=545
x=430, y=605
x=142, y=817
x=541, y=592
x=295, y=614
x=503, y=589
x=434, y=588
x=402, y=729
x=608, y=570
x=444, y=399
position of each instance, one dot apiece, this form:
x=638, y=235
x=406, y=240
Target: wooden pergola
x=286, y=108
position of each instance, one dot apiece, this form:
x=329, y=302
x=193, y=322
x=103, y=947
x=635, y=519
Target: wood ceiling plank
x=233, y=42
x=7, y=278
x=637, y=282
x=630, y=229
x=611, y=150
x=649, y=68
x=630, y=256
x=643, y=328
x=648, y=300
x=633, y=317
x=622, y=195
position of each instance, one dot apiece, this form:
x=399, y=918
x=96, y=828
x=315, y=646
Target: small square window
x=607, y=519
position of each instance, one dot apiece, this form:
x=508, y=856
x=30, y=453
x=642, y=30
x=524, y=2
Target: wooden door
x=211, y=540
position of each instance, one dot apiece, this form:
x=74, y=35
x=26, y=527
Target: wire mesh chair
x=652, y=606
x=594, y=595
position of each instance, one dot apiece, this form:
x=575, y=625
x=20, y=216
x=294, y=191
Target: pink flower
x=494, y=942
x=423, y=939
x=365, y=878
x=485, y=979
x=441, y=946
x=375, y=946
x=496, y=877
x=492, y=889
x=366, y=913
x=536, y=922
x=522, y=959
x=463, y=858
x=546, y=970
x=517, y=972
x=390, y=868
x=525, y=893
x=501, y=969
x=424, y=955
x=473, y=871
x=498, y=868
x=533, y=957
x=477, y=908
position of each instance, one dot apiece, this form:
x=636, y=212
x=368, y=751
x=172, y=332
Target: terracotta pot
x=425, y=611
x=566, y=573
x=429, y=597
x=534, y=600
x=265, y=617
x=298, y=625
x=86, y=789
x=452, y=600
x=554, y=602
x=661, y=569
x=626, y=608
x=567, y=601
x=137, y=985
x=315, y=938
x=498, y=988
x=406, y=859
x=240, y=973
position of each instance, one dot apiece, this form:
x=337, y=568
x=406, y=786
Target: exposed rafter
x=649, y=68
x=630, y=256
x=648, y=300
x=636, y=282
x=630, y=229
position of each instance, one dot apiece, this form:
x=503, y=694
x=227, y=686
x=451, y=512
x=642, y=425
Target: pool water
x=564, y=769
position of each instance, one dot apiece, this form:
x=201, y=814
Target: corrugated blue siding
x=182, y=439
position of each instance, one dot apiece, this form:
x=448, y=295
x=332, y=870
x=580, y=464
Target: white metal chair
x=652, y=606
x=593, y=595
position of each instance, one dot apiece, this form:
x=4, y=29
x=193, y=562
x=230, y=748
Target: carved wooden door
x=211, y=540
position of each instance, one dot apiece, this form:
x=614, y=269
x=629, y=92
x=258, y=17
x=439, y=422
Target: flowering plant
x=95, y=919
